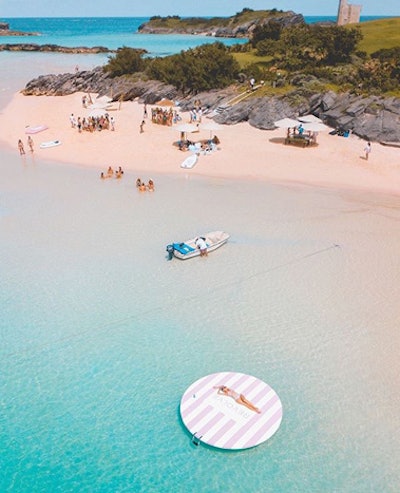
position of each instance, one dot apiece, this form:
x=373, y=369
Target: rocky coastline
x=5, y=31
x=373, y=118
x=214, y=27
x=54, y=48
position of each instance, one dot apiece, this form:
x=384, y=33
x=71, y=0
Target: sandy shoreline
x=245, y=152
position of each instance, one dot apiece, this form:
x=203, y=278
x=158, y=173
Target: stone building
x=348, y=14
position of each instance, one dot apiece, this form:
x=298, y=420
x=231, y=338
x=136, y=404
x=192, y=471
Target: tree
x=125, y=61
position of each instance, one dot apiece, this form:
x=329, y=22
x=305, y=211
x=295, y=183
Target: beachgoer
x=150, y=185
x=252, y=82
x=138, y=182
x=141, y=126
x=110, y=171
x=84, y=101
x=72, y=120
x=202, y=246
x=30, y=143
x=112, y=124
x=300, y=129
x=103, y=176
x=142, y=187
x=239, y=398
x=21, y=147
x=145, y=111
x=367, y=150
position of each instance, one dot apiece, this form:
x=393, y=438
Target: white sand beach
x=244, y=152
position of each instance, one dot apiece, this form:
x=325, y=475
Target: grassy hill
x=384, y=33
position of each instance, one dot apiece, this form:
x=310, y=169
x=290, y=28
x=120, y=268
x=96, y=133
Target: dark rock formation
x=5, y=31
x=213, y=27
x=53, y=48
x=373, y=118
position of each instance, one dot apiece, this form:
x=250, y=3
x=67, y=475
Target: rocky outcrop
x=53, y=48
x=373, y=118
x=213, y=27
x=5, y=31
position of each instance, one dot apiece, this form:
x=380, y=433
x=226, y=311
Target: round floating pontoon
x=220, y=421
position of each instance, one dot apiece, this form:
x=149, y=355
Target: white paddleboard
x=51, y=143
x=190, y=161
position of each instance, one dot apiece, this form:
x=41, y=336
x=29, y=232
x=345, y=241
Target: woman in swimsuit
x=239, y=398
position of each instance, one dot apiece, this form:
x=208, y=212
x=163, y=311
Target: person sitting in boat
x=239, y=398
x=150, y=186
x=201, y=245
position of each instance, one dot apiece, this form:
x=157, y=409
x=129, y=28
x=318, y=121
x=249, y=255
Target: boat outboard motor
x=170, y=250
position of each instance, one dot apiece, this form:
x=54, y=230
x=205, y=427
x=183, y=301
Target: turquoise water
x=101, y=335
x=112, y=33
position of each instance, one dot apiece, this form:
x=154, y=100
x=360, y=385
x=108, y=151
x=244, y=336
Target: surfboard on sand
x=190, y=161
x=50, y=143
x=35, y=129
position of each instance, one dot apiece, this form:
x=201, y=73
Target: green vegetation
x=356, y=58
x=206, y=67
x=384, y=33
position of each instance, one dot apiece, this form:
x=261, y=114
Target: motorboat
x=189, y=249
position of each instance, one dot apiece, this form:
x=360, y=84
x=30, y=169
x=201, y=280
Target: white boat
x=51, y=143
x=190, y=161
x=188, y=249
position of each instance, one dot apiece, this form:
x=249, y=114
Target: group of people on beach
x=93, y=123
x=163, y=116
x=143, y=187
x=110, y=173
x=21, y=147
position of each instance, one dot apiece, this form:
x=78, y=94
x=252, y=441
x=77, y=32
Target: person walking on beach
x=145, y=111
x=367, y=150
x=30, y=143
x=21, y=147
x=141, y=126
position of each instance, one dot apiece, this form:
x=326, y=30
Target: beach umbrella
x=211, y=126
x=97, y=112
x=286, y=123
x=316, y=127
x=309, y=119
x=165, y=102
x=186, y=127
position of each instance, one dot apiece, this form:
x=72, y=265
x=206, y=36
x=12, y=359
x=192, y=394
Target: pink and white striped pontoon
x=219, y=421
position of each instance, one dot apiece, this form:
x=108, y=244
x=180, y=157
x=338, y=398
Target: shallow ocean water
x=101, y=334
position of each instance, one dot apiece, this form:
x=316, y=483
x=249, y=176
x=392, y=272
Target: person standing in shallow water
x=21, y=147
x=30, y=143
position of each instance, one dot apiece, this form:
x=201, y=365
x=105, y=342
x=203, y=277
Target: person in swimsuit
x=239, y=398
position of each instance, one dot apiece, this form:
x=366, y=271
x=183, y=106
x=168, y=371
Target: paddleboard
x=190, y=161
x=51, y=143
x=35, y=130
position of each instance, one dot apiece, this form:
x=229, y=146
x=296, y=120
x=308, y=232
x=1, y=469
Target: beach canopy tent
x=286, y=123
x=309, y=119
x=316, y=127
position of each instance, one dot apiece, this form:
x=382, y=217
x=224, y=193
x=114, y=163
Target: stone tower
x=348, y=14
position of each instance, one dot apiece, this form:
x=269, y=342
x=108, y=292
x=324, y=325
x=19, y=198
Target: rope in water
x=118, y=322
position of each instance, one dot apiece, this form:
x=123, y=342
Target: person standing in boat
x=202, y=246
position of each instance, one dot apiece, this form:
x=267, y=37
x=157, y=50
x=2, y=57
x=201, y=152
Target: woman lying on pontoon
x=239, y=398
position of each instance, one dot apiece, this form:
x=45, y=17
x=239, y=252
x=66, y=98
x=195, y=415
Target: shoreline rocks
x=373, y=118
x=54, y=48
